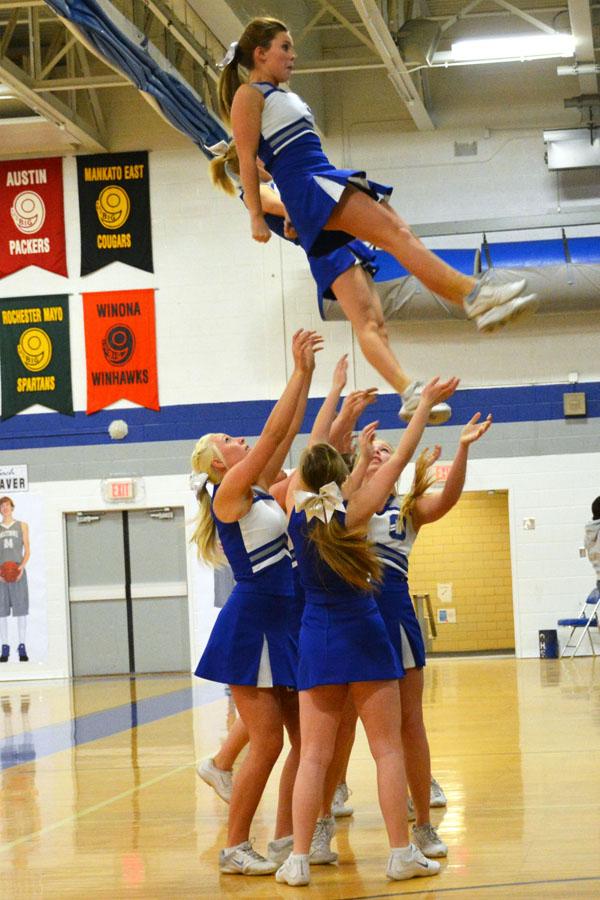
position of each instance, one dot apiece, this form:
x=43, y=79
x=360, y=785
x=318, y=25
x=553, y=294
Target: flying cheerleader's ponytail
x=258, y=33
x=224, y=169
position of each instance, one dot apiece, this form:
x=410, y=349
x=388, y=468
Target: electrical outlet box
x=574, y=404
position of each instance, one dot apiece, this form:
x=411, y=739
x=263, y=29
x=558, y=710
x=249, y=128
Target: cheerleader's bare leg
x=320, y=714
x=260, y=709
x=378, y=706
x=232, y=746
x=379, y=224
x=414, y=740
x=289, y=705
x=360, y=302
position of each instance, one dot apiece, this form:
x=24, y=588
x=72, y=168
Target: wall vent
x=465, y=148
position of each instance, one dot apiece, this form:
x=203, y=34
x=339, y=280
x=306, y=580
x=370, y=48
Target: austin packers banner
x=120, y=348
x=35, y=354
x=32, y=222
x=114, y=210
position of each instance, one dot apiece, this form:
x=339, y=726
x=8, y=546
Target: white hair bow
x=218, y=149
x=228, y=56
x=198, y=482
x=321, y=505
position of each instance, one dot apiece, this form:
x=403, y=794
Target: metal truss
x=45, y=68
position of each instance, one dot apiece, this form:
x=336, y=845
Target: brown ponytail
x=344, y=550
x=258, y=33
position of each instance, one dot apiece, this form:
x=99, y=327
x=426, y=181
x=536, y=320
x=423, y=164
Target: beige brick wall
x=470, y=549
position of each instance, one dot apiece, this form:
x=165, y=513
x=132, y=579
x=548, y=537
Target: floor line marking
x=477, y=887
x=92, y=809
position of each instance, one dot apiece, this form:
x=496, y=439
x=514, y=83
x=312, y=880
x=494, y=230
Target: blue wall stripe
x=31, y=745
x=185, y=422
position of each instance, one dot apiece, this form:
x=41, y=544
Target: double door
x=128, y=596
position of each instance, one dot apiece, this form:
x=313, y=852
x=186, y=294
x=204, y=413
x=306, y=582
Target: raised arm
x=365, y=454
x=246, y=114
x=431, y=507
x=274, y=465
x=324, y=418
x=370, y=497
x=234, y=496
x=340, y=435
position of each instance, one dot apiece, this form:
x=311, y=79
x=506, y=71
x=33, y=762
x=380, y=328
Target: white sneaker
x=425, y=837
x=439, y=413
x=515, y=309
x=243, y=860
x=490, y=294
x=320, y=853
x=436, y=796
x=279, y=850
x=412, y=815
x=408, y=863
x=338, y=807
x=295, y=870
x=220, y=780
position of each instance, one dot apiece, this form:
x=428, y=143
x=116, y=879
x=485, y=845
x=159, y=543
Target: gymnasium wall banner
x=120, y=348
x=35, y=354
x=32, y=221
x=114, y=210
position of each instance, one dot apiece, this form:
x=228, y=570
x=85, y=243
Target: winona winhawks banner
x=114, y=210
x=35, y=355
x=32, y=222
x=120, y=348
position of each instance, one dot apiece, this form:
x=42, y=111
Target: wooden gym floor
x=99, y=796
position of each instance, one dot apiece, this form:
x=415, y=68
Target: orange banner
x=120, y=348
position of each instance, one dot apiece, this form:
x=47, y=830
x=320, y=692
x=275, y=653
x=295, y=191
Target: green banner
x=35, y=354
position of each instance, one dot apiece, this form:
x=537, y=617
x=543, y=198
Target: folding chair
x=587, y=618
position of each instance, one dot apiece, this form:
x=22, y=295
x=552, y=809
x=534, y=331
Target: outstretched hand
x=366, y=446
x=474, y=429
x=304, y=346
x=435, y=391
x=432, y=456
x=340, y=374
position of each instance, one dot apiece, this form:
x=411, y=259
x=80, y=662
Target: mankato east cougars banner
x=120, y=348
x=32, y=222
x=114, y=210
x=35, y=354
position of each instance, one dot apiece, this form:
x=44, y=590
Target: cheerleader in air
x=329, y=206
x=343, y=273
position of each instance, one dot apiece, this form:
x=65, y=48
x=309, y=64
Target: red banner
x=32, y=221
x=120, y=348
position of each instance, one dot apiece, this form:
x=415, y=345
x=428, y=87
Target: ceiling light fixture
x=517, y=47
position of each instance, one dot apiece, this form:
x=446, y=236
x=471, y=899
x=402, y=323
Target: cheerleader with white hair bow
x=344, y=648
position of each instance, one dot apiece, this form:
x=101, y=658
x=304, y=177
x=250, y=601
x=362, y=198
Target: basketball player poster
x=23, y=621
x=32, y=221
x=35, y=354
x=114, y=210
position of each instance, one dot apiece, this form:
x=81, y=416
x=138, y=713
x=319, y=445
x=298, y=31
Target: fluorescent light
x=531, y=46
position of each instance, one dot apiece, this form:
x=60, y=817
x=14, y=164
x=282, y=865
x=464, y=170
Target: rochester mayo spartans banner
x=32, y=225
x=114, y=210
x=35, y=354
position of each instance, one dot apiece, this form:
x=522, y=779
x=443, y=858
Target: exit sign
x=118, y=490
x=442, y=471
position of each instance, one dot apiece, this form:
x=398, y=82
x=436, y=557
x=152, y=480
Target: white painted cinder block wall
x=226, y=309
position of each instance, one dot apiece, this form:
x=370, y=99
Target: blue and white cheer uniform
x=343, y=637
x=393, y=536
x=253, y=640
x=310, y=186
